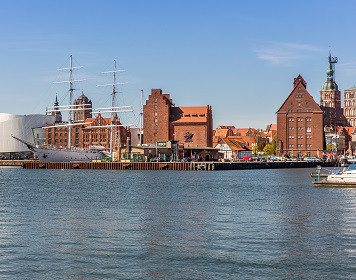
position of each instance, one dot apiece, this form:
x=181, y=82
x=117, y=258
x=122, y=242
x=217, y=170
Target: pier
x=204, y=166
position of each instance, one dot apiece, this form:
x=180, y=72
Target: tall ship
x=46, y=153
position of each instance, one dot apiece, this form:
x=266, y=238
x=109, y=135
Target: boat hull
x=65, y=155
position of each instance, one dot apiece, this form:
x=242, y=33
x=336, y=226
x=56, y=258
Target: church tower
x=330, y=98
x=83, y=108
x=56, y=113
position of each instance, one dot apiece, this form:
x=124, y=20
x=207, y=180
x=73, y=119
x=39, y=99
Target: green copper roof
x=330, y=86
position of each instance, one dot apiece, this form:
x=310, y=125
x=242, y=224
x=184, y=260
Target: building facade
x=83, y=108
x=21, y=126
x=233, y=148
x=163, y=121
x=94, y=133
x=300, y=123
x=350, y=105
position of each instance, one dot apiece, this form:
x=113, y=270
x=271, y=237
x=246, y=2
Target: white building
x=233, y=148
x=21, y=127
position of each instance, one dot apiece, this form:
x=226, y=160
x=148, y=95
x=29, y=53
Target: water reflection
x=264, y=224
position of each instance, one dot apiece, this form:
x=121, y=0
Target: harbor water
x=244, y=224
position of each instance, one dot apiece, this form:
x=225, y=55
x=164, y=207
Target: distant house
x=233, y=147
x=271, y=131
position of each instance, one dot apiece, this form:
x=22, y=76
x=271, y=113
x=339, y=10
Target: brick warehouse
x=300, y=123
x=94, y=133
x=163, y=121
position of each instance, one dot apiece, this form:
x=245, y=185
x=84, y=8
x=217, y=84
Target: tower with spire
x=330, y=98
x=83, y=108
x=56, y=113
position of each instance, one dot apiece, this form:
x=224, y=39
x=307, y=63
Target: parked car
x=186, y=159
x=156, y=159
x=312, y=159
x=274, y=159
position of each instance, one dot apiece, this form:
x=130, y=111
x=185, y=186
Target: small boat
x=338, y=178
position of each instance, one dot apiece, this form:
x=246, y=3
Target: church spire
x=56, y=101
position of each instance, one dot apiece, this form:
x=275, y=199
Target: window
x=202, y=115
x=308, y=129
x=291, y=136
x=155, y=120
x=300, y=136
x=156, y=99
x=291, y=128
x=299, y=119
x=156, y=127
x=299, y=111
x=195, y=115
x=299, y=104
x=155, y=114
x=156, y=106
x=290, y=111
x=291, y=145
x=186, y=115
x=155, y=134
x=308, y=145
x=308, y=119
x=300, y=145
x=309, y=136
x=300, y=128
x=290, y=119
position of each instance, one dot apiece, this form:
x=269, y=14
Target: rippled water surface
x=248, y=224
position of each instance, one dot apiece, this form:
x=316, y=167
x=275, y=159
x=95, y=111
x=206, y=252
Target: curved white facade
x=21, y=127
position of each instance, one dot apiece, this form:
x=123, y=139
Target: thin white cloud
x=282, y=53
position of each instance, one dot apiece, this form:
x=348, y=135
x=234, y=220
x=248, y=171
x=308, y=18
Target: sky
x=240, y=57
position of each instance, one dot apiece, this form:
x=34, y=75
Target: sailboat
x=72, y=154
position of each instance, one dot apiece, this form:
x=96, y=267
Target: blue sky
x=238, y=56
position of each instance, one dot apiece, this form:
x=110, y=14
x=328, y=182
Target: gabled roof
x=297, y=84
x=270, y=127
x=235, y=143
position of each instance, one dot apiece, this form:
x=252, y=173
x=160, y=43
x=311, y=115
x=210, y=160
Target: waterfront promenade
x=207, y=166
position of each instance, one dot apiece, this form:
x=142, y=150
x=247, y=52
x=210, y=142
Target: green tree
x=274, y=144
x=330, y=147
x=268, y=149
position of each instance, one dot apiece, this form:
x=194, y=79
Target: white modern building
x=21, y=127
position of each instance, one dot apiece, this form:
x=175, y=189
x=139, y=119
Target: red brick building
x=350, y=105
x=91, y=134
x=163, y=121
x=300, y=123
x=83, y=108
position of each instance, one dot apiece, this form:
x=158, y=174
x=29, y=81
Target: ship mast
x=113, y=109
x=70, y=102
x=70, y=107
x=141, y=117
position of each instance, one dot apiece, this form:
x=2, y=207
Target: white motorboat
x=346, y=176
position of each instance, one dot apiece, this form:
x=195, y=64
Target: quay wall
x=208, y=166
